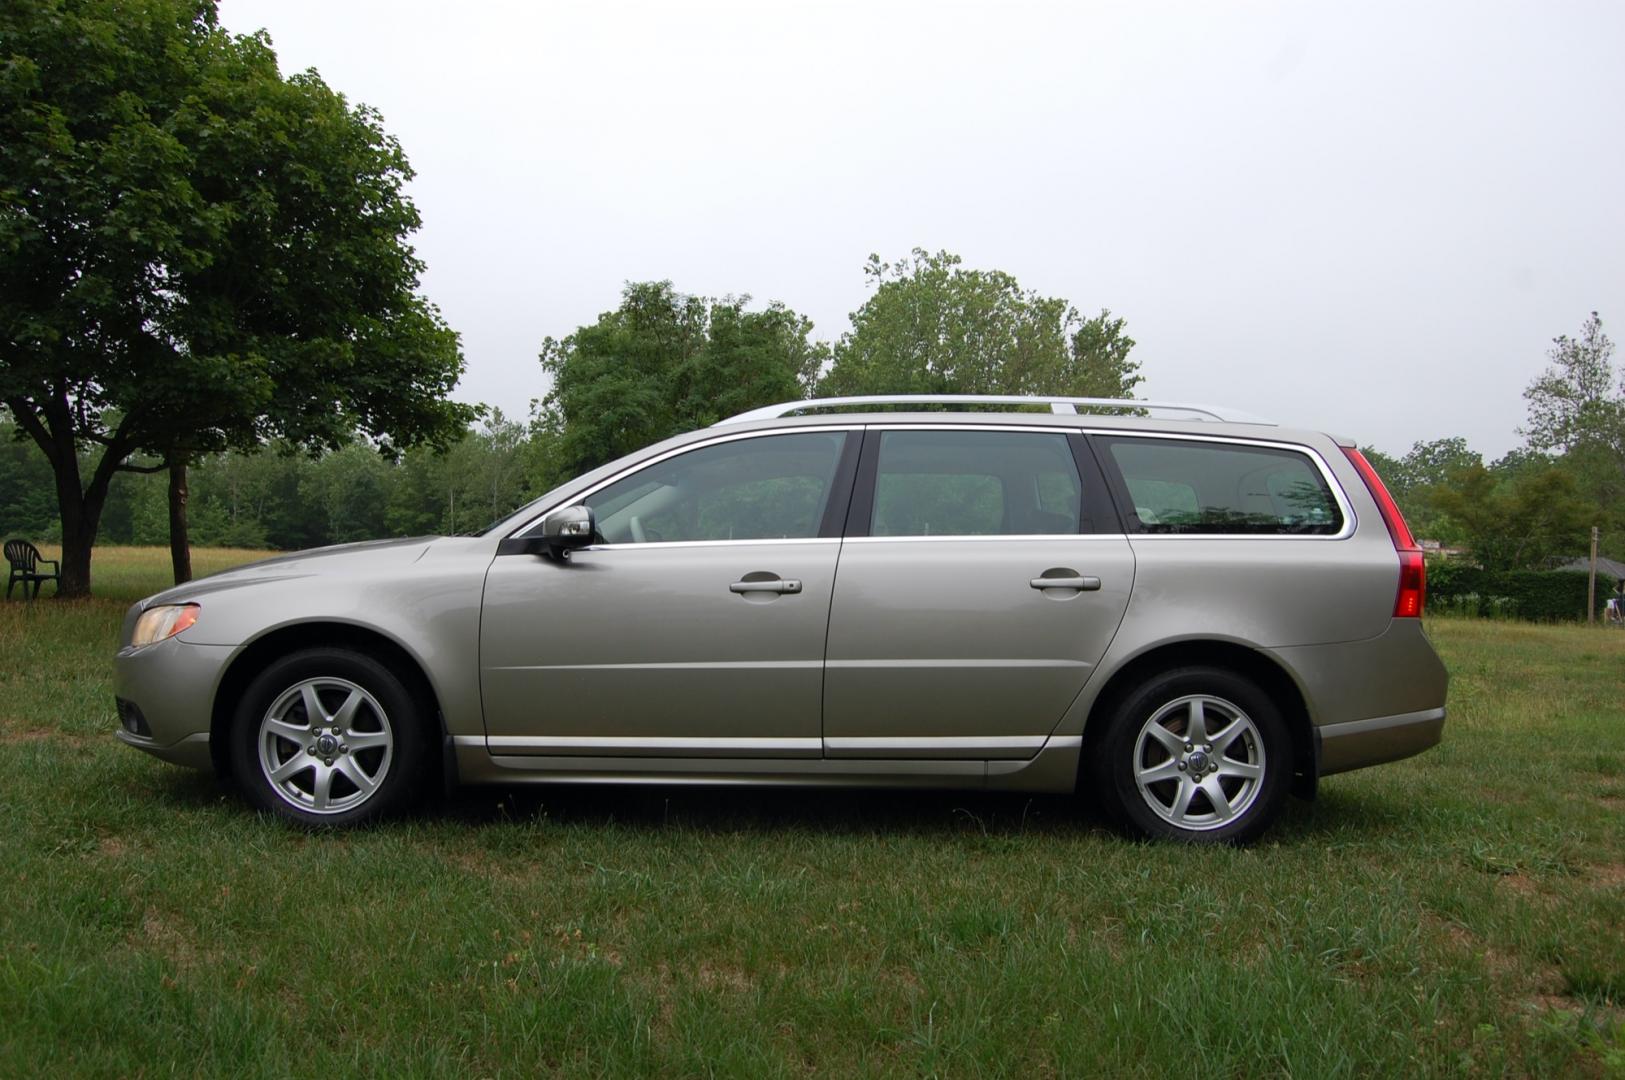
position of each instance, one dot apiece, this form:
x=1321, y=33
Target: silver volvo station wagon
x=1180, y=611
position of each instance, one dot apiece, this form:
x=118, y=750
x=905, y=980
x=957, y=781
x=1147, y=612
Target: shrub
x=1538, y=595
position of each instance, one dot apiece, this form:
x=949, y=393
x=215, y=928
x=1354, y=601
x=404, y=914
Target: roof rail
x=1066, y=405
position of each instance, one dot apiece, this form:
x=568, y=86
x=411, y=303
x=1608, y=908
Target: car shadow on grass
x=724, y=808
x=836, y=811
x=824, y=810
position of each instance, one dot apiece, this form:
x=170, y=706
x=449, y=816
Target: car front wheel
x=1196, y=754
x=328, y=737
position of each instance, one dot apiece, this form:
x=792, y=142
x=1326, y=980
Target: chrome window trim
x=1351, y=520
x=661, y=545
x=668, y=455
x=983, y=537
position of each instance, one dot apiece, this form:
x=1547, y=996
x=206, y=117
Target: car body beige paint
x=638, y=664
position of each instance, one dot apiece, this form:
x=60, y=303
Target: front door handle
x=754, y=584
x=1065, y=579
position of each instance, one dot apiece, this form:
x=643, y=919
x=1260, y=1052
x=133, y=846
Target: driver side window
x=773, y=487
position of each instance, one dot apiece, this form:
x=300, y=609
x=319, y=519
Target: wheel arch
x=1271, y=677
x=253, y=658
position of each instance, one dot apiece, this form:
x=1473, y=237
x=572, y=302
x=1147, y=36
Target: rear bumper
x=1358, y=743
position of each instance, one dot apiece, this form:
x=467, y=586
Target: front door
x=980, y=583
x=694, y=626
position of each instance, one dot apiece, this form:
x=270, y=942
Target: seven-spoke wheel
x=325, y=745
x=1196, y=753
x=329, y=736
x=1199, y=762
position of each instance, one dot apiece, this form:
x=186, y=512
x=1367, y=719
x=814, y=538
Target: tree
x=664, y=362
x=932, y=327
x=1577, y=407
x=1576, y=403
x=198, y=253
x=1515, y=521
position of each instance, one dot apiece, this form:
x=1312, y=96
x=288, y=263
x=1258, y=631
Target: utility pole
x=1591, y=585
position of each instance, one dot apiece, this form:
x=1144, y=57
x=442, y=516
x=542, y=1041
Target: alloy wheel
x=325, y=745
x=1199, y=762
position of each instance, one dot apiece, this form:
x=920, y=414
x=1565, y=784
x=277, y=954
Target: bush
x=1538, y=595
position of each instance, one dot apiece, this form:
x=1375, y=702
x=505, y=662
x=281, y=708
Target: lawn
x=1459, y=913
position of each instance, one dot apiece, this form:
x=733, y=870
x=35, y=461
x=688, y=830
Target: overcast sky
x=1366, y=218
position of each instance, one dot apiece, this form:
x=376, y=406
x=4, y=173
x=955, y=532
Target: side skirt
x=1053, y=769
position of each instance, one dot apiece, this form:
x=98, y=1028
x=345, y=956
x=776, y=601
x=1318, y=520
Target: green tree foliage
x=481, y=478
x=664, y=362
x=1577, y=408
x=1578, y=402
x=932, y=327
x=198, y=253
x=1515, y=519
x=1414, y=478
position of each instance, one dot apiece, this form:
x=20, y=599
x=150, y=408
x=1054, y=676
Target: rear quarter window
x=1202, y=488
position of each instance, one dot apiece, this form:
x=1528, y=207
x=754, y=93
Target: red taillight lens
x=1413, y=585
x=1413, y=576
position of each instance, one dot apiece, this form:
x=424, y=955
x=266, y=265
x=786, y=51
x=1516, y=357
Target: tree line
x=661, y=362
x=1541, y=500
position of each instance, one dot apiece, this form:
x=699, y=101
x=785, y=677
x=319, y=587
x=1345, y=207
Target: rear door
x=982, y=577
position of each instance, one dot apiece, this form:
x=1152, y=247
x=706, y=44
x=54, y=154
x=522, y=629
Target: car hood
x=340, y=558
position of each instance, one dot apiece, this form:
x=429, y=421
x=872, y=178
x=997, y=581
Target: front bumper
x=192, y=751
x=172, y=683
x=1358, y=743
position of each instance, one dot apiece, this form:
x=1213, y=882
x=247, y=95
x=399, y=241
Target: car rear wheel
x=328, y=737
x=1195, y=754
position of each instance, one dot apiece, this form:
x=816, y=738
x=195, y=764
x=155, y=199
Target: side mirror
x=566, y=528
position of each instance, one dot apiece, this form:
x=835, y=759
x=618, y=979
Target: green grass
x=1457, y=914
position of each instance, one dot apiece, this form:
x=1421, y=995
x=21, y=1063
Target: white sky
x=1368, y=218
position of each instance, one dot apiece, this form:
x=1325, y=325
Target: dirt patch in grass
x=1509, y=970
x=714, y=976
x=159, y=934
x=1609, y=875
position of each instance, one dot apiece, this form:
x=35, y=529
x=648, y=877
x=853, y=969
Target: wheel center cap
x=1197, y=761
x=326, y=746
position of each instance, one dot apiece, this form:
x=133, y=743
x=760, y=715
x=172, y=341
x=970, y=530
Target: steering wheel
x=637, y=530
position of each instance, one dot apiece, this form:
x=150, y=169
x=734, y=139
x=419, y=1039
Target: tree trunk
x=180, y=543
x=79, y=505
x=80, y=511
x=77, y=542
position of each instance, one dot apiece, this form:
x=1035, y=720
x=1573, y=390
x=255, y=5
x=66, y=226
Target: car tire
x=1197, y=754
x=362, y=759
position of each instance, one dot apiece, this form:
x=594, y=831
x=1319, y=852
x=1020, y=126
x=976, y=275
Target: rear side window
x=1179, y=487
x=975, y=483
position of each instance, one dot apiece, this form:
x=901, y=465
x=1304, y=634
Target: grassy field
x=1462, y=913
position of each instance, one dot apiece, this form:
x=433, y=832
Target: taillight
x=1413, y=585
x=1413, y=575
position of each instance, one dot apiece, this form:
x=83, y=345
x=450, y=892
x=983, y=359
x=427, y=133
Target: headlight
x=164, y=621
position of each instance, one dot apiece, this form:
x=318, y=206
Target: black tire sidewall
x=1112, y=760
x=406, y=720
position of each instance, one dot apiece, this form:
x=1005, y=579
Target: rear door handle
x=1077, y=581
x=778, y=585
